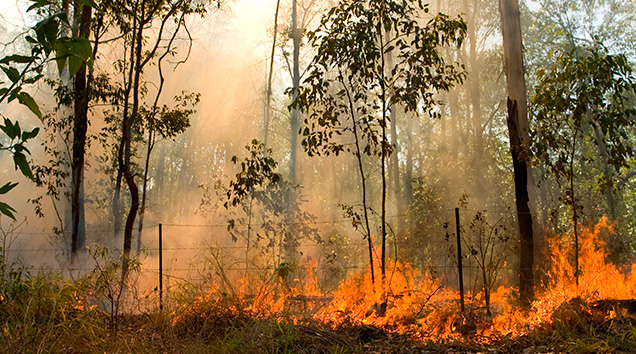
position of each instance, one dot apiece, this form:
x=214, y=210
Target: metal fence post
x=160, y=269
x=459, y=260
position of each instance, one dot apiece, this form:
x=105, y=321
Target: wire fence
x=197, y=252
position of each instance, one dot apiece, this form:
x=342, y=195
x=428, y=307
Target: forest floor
x=575, y=328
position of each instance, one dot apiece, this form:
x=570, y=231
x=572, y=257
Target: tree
x=261, y=192
x=489, y=245
x=350, y=89
x=166, y=122
x=81, y=91
x=585, y=97
x=143, y=49
x=27, y=69
x=518, y=134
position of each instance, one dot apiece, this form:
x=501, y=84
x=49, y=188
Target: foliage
x=35, y=308
x=261, y=194
x=256, y=170
x=586, y=97
x=17, y=148
x=104, y=284
x=350, y=79
x=489, y=244
x=45, y=38
x=372, y=59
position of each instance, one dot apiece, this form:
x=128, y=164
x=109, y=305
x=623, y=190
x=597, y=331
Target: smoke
x=228, y=64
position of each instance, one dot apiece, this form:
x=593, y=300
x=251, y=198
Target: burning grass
x=285, y=312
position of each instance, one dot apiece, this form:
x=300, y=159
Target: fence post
x=459, y=260
x=160, y=269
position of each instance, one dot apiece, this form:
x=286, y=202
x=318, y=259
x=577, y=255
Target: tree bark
x=394, y=158
x=518, y=134
x=81, y=87
x=290, y=240
x=524, y=217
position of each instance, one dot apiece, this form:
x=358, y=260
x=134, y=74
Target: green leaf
x=46, y=32
x=16, y=58
x=12, y=73
x=7, y=210
x=7, y=187
x=20, y=161
x=14, y=93
x=12, y=131
x=29, y=135
x=38, y=4
x=28, y=101
x=74, y=50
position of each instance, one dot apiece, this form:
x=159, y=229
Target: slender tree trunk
x=117, y=208
x=296, y=38
x=127, y=140
x=394, y=158
x=408, y=173
x=144, y=190
x=365, y=207
x=270, y=74
x=383, y=156
x=608, y=184
x=573, y=200
x=290, y=240
x=80, y=127
x=486, y=288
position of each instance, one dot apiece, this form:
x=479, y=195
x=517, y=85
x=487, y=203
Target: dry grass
x=49, y=327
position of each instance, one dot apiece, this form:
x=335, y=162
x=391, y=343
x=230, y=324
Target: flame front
x=411, y=301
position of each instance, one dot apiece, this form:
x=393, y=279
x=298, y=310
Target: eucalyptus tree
x=350, y=88
x=518, y=132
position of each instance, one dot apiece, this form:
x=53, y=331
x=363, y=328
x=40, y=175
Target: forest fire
x=266, y=176
x=419, y=305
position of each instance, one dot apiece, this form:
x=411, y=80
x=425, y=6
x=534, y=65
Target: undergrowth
x=42, y=312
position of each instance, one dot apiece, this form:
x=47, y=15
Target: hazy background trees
x=177, y=147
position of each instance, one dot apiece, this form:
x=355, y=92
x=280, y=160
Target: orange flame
x=411, y=301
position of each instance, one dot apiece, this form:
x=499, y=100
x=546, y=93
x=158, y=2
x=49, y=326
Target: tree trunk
x=608, y=183
x=518, y=134
x=270, y=74
x=290, y=240
x=365, y=206
x=394, y=160
x=408, y=173
x=524, y=217
x=80, y=126
x=144, y=189
x=117, y=207
x=125, y=165
x=296, y=38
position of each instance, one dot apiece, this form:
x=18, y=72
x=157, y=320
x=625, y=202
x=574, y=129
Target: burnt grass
x=575, y=327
